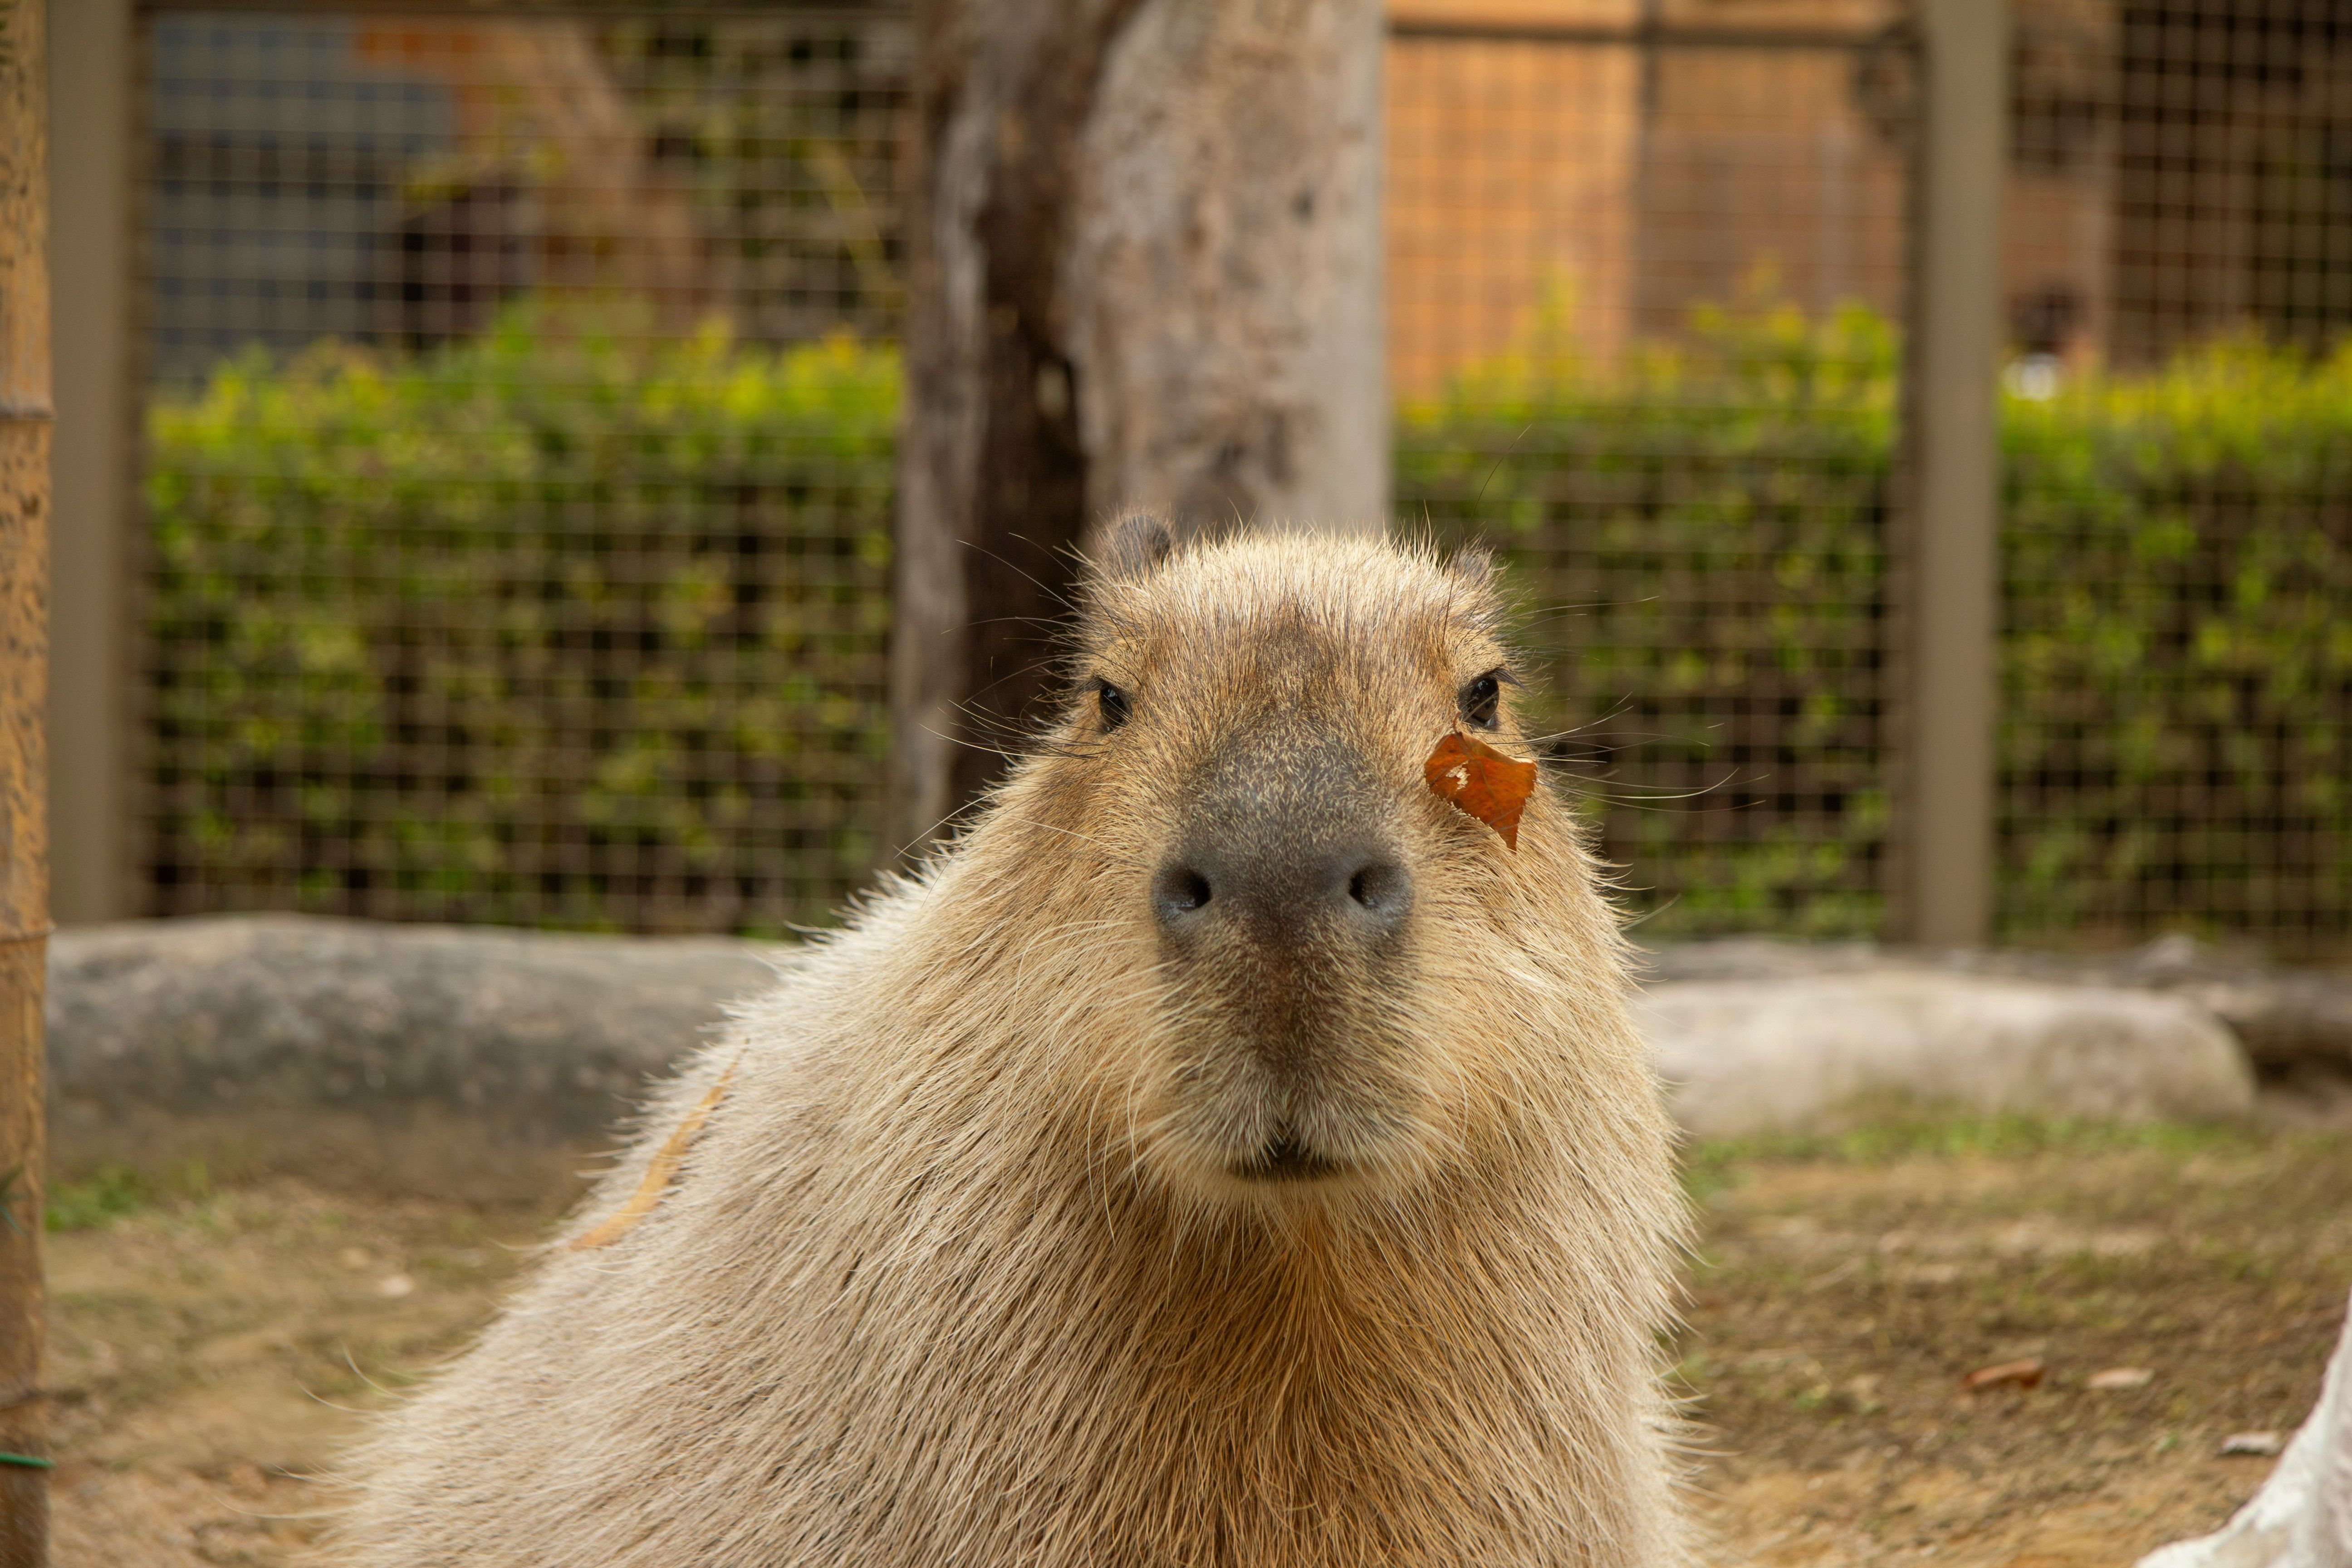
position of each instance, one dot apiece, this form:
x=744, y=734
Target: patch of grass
x=1710, y=1164
x=116, y=1190
x=99, y=1199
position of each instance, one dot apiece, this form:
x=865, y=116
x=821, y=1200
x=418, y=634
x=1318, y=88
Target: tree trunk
x=1145, y=271
x=24, y=766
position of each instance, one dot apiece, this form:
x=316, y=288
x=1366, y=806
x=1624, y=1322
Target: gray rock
x=550, y=1038
x=541, y=1036
x=2284, y=1018
x=2281, y=1017
x=1807, y=1053
x=1763, y=958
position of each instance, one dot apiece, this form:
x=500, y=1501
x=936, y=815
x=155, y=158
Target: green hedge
x=2176, y=735
x=558, y=626
x=1701, y=538
x=2176, y=657
x=575, y=629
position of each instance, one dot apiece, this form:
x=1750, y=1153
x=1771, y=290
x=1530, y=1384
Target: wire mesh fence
x=519, y=535
x=1646, y=342
x=2176, y=732
x=521, y=396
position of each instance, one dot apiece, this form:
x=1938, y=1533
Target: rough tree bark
x=24, y=766
x=1145, y=271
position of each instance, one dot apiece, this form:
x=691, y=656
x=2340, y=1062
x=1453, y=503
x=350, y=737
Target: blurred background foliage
x=2176, y=655
x=626, y=591
x=1699, y=534
x=625, y=579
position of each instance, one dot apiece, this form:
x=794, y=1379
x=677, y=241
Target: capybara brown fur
x=1227, y=1151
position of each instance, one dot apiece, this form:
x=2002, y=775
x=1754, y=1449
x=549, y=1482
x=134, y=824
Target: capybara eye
x=1478, y=698
x=1113, y=702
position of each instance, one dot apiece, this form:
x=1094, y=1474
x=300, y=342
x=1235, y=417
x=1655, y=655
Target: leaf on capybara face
x=659, y=1173
x=1482, y=780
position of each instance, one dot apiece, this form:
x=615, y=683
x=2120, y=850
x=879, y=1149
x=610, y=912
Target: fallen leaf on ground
x=2025, y=1374
x=2258, y=1444
x=2120, y=1377
x=1486, y=783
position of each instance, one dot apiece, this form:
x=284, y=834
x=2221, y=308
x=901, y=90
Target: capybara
x=1230, y=1149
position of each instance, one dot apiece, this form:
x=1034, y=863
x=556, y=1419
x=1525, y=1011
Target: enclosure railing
x=517, y=461
x=516, y=399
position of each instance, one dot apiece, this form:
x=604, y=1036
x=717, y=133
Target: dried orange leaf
x=2025, y=1374
x=659, y=1173
x=1482, y=780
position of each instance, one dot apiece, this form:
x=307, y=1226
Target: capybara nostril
x=1365, y=889
x=1178, y=891
x=1382, y=890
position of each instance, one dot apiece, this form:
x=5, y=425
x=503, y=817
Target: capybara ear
x=1133, y=546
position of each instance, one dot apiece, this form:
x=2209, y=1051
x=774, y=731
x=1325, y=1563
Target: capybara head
x=1320, y=976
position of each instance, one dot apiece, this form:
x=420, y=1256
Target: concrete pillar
x=1956, y=337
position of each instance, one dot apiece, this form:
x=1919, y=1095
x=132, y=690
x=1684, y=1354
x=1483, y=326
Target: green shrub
x=1700, y=543
x=2176, y=657
x=580, y=628
x=1704, y=538
x=562, y=626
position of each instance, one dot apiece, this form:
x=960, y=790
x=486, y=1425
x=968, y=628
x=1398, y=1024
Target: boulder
x=2284, y=1018
x=542, y=1037
x=548, y=1039
x=1809, y=1052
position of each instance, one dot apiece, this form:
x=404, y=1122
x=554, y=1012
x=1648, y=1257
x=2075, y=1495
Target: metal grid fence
x=2176, y=734
x=521, y=396
x=520, y=539
x=1648, y=346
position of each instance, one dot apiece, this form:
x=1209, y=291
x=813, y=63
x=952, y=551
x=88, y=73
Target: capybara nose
x=1355, y=890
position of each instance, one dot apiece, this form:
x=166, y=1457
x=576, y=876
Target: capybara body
x=1228, y=1152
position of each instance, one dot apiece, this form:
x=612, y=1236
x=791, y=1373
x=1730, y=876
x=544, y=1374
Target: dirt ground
x=214, y=1344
